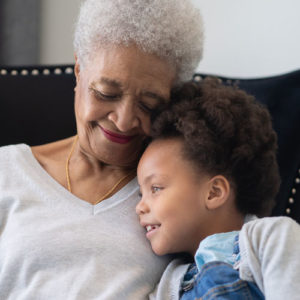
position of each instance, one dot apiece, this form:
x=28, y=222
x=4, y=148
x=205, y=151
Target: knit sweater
x=54, y=245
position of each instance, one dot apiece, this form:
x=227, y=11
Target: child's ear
x=218, y=192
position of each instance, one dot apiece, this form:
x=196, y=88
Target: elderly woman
x=68, y=228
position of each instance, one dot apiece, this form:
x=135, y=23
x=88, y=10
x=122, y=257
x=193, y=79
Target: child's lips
x=151, y=229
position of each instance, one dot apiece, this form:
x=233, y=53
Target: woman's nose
x=124, y=116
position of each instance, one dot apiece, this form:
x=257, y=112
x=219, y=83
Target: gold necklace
x=108, y=192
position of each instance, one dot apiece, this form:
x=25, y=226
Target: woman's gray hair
x=170, y=29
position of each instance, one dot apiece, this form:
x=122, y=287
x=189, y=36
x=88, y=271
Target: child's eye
x=155, y=189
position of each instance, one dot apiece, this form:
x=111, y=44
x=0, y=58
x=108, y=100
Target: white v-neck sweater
x=55, y=246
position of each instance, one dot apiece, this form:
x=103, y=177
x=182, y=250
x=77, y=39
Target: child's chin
x=159, y=251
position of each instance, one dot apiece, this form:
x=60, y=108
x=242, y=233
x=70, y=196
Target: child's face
x=172, y=207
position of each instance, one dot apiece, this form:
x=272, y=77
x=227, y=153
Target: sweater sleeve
x=270, y=256
x=170, y=283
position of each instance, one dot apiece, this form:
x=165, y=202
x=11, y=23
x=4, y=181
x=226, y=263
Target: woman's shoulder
x=11, y=151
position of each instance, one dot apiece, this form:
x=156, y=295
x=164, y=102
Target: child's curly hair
x=226, y=132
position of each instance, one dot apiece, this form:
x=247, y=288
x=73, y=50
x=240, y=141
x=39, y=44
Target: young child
x=212, y=163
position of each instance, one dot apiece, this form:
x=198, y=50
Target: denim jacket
x=214, y=275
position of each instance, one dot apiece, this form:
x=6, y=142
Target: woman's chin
x=117, y=154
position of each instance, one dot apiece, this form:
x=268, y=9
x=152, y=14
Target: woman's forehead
x=128, y=68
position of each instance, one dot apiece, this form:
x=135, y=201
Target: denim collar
x=217, y=247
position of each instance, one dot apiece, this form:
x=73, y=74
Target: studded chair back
x=36, y=104
x=37, y=107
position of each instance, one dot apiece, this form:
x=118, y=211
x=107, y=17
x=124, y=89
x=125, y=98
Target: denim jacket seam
x=217, y=291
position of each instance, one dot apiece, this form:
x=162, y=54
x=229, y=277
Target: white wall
x=244, y=38
x=57, y=25
x=249, y=38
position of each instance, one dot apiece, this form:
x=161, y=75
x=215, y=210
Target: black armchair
x=36, y=107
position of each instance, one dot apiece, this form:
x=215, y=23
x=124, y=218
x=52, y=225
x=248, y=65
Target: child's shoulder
x=267, y=246
x=270, y=229
x=268, y=223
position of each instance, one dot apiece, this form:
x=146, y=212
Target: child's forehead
x=170, y=148
x=163, y=155
x=159, y=154
x=171, y=143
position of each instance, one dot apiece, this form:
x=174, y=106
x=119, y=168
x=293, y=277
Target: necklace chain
x=67, y=164
x=109, y=192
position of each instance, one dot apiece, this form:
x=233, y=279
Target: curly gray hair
x=170, y=29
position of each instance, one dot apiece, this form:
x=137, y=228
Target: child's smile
x=151, y=229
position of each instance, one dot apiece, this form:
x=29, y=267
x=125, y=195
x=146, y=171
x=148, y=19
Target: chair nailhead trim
x=35, y=72
x=236, y=82
x=69, y=70
x=24, y=72
x=197, y=78
x=57, y=71
x=46, y=71
x=293, y=192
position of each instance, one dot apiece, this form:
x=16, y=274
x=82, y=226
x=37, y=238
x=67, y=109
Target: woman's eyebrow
x=117, y=84
x=108, y=81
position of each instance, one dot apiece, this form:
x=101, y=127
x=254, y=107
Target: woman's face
x=116, y=93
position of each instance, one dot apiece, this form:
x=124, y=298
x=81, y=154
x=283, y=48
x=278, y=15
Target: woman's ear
x=218, y=192
x=77, y=69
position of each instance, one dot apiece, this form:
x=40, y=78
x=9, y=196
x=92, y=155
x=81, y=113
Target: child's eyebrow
x=148, y=178
x=159, y=176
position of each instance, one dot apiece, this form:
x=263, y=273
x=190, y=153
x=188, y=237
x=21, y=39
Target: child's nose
x=141, y=208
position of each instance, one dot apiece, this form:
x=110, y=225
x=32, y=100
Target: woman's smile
x=116, y=137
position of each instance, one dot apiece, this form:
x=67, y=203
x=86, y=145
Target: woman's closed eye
x=147, y=108
x=104, y=96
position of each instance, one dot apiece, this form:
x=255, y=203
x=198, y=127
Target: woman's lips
x=115, y=137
